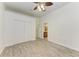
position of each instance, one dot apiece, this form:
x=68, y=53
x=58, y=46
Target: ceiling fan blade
x=48, y=3
x=35, y=8
x=36, y=2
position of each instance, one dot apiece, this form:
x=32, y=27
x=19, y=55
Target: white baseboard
x=64, y=45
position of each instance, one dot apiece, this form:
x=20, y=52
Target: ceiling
x=27, y=7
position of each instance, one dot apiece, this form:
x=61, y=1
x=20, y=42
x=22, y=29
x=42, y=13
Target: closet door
x=17, y=30
x=14, y=32
x=29, y=31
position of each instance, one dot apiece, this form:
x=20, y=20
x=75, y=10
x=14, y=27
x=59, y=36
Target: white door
x=18, y=31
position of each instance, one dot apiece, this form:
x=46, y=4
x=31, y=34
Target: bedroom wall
x=37, y=27
x=1, y=25
x=18, y=28
x=63, y=26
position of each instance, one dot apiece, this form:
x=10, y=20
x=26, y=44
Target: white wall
x=63, y=26
x=1, y=25
x=37, y=27
x=18, y=28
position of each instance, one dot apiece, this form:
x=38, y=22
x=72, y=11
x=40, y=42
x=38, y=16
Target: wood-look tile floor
x=38, y=48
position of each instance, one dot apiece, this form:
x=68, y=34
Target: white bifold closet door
x=17, y=30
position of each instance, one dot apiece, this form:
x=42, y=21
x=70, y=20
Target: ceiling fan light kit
x=41, y=7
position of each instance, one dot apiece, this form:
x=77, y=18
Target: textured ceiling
x=27, y=7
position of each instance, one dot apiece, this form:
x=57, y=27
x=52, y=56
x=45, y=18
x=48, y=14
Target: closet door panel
x=29, y=31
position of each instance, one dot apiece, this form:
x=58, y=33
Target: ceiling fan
x=41, y=5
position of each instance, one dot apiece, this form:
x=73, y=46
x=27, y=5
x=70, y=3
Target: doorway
x=45, y=32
